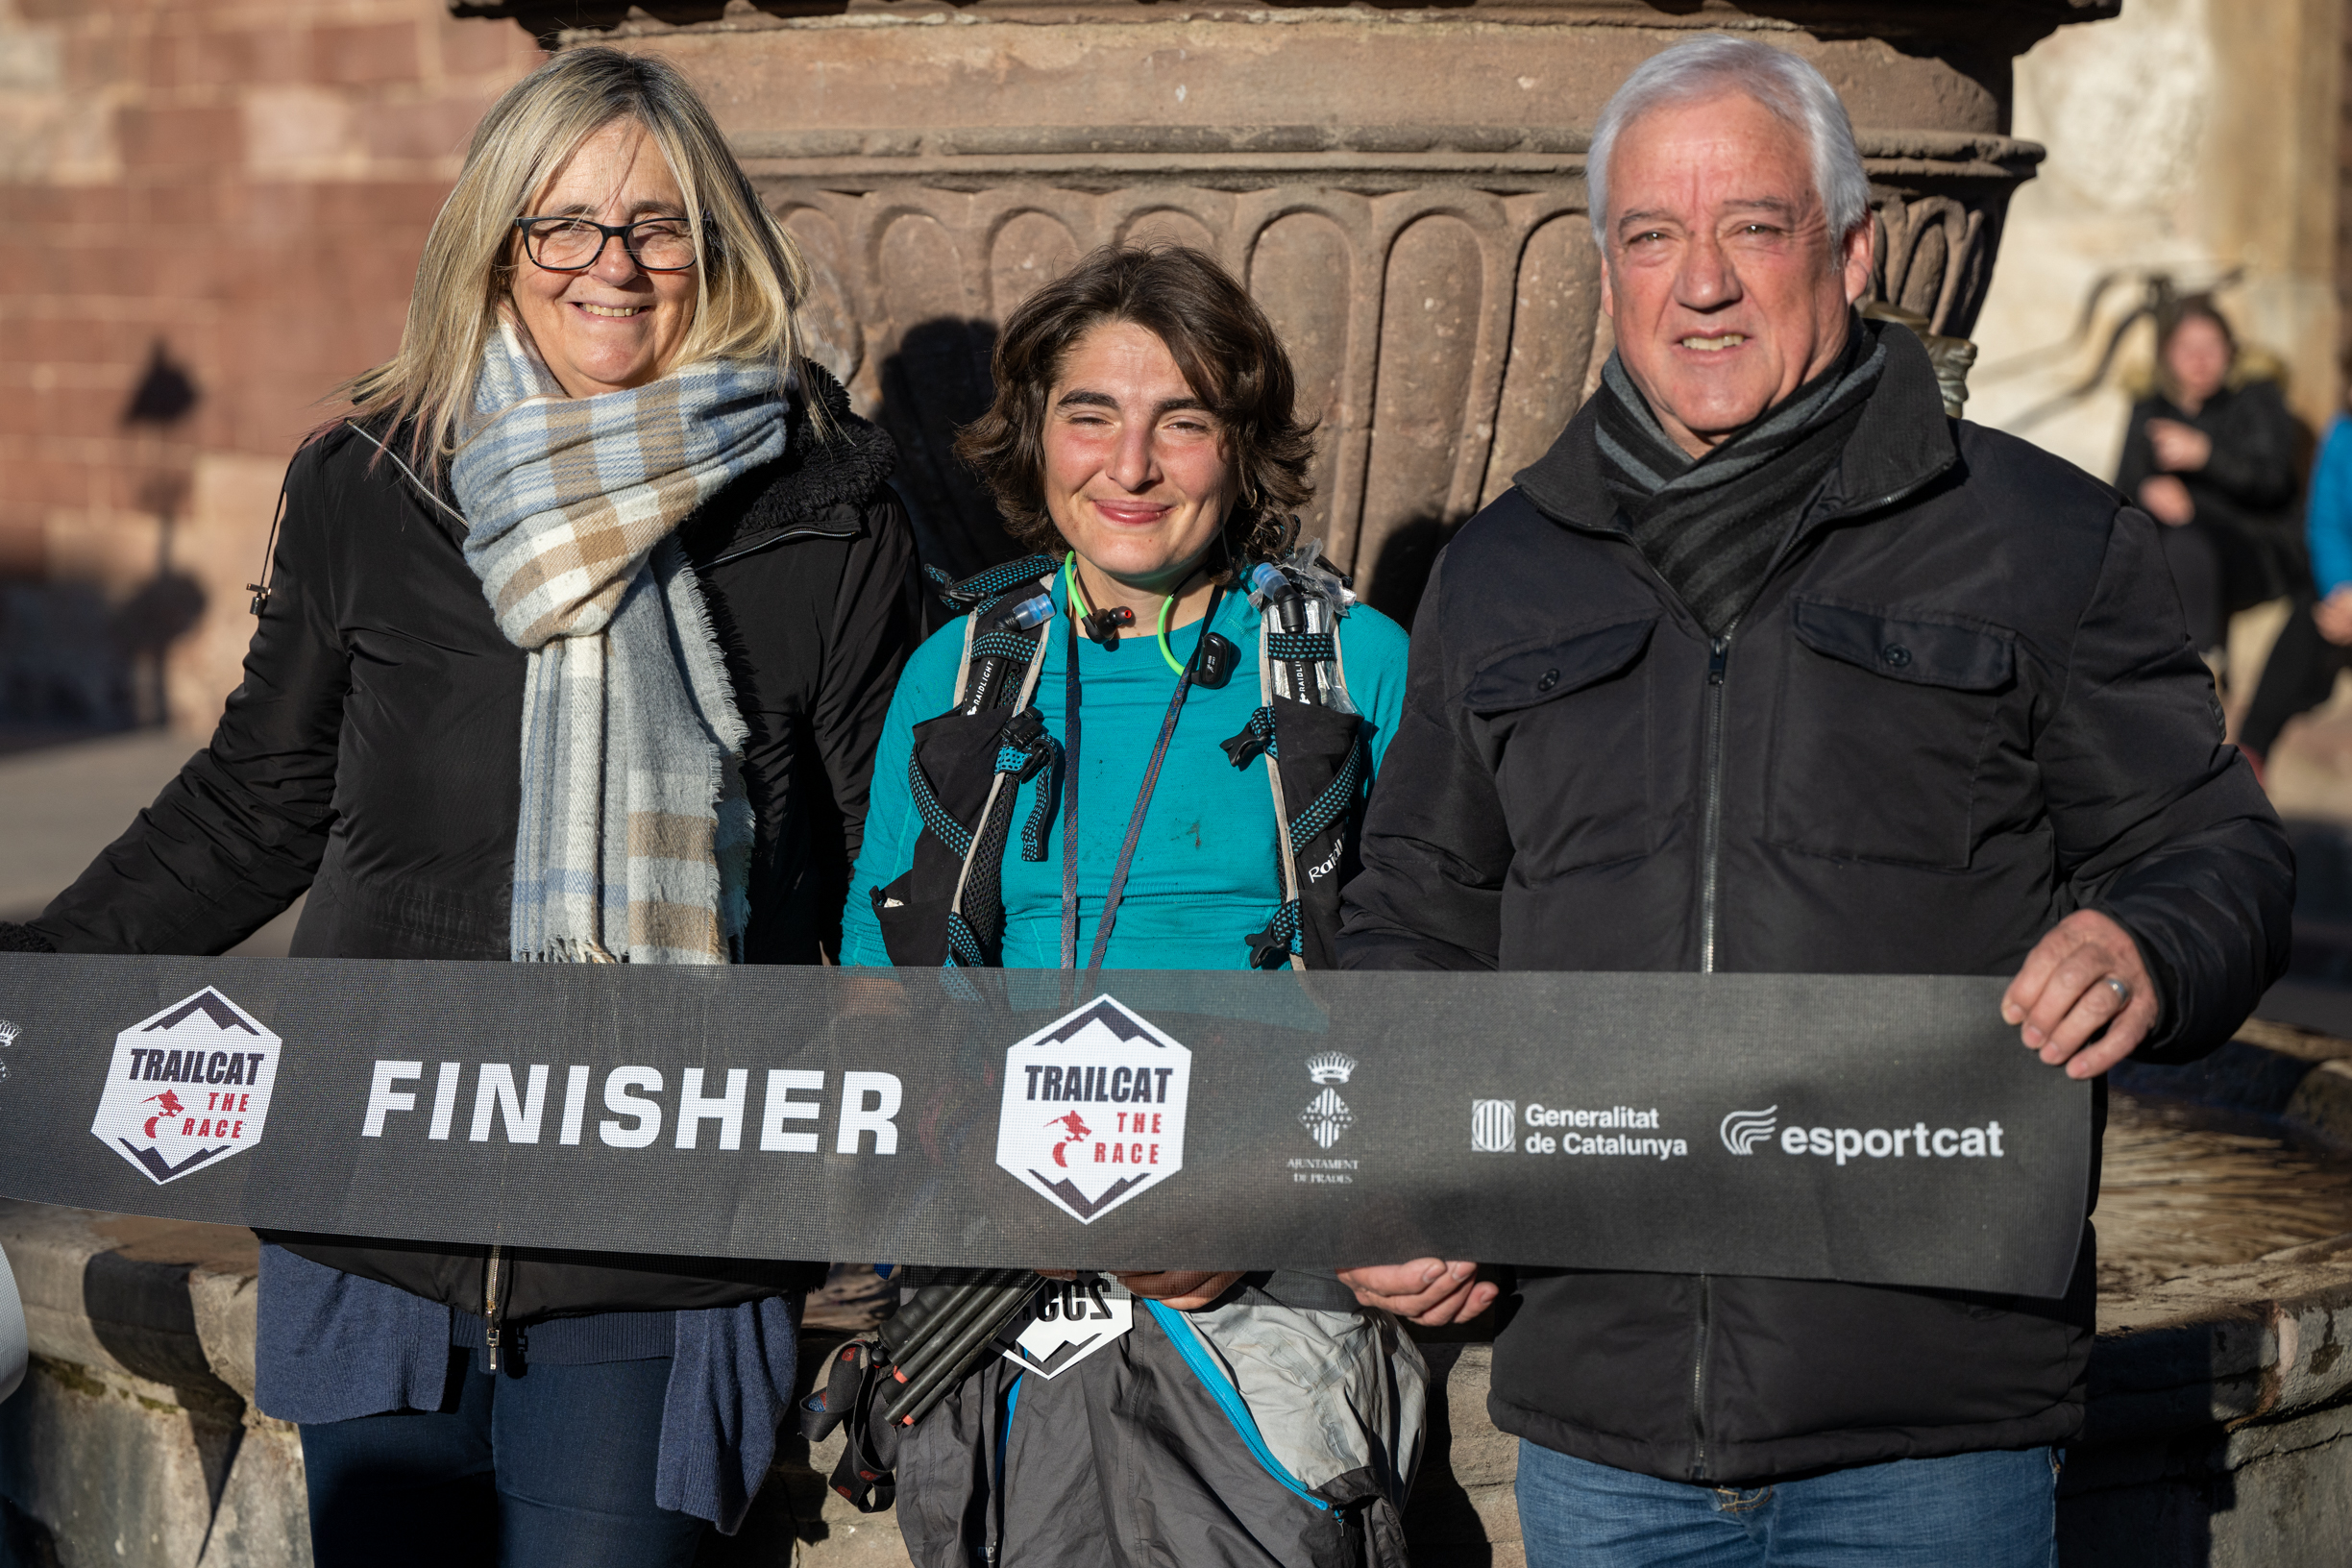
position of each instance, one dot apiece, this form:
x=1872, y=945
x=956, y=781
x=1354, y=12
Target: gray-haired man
x=1829, y=683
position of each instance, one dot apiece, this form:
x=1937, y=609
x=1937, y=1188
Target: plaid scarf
x=634, y=838
x=1711, y=524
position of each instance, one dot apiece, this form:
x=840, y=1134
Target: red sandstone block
x=352, y=204
x=476, y=46
x=386, y=52
x=50, y=207
x=37, y=482
x=160, y=139
x=101, y=57
x=66, y=340
x=246, y=57
x=190, y=203
x=422, y=130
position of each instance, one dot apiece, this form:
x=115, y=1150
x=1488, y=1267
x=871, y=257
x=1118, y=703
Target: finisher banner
x=1879, y=1129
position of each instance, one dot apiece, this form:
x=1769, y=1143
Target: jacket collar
x=820, y=485
x=1903, y=442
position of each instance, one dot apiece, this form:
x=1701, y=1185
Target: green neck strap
x=1079, y=605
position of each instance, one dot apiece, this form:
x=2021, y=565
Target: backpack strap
x=964, y=770
x=1309, y=732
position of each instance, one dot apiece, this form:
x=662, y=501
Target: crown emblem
x=9, y=1032
x=1331, y=1068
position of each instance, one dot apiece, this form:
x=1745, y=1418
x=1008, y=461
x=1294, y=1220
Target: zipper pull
x=494, y=1311
x=1719, y=655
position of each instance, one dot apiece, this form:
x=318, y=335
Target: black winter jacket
x=370, y=754
x=1963, y=706
x=2247, y=489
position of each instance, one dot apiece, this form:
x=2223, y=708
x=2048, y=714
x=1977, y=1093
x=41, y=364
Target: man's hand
x=2333, y=616
x=2179, y=449
x=1428, y=1291
x=2165, y=498
x=2067, y=991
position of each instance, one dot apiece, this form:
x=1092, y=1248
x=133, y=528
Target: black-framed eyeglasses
x=575, y=244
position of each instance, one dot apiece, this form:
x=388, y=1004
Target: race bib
x=1072, y=1320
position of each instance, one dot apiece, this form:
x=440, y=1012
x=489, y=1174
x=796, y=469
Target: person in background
x=2316, y=645
x=598, y=492
x=1144, y=441
x=2218, y=464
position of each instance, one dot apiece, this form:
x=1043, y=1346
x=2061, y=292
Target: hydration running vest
x=966, y=766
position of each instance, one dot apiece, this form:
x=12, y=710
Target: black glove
x=23, y=939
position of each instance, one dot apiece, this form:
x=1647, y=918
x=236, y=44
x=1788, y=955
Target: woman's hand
x=2333, y=616
x=2165, y=498
x=2179, y=449
x=1428, y=1291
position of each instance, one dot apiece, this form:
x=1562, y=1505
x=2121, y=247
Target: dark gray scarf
x=1710, y=526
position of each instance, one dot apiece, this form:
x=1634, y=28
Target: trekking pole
x=952, y=1307
x=961, y=1348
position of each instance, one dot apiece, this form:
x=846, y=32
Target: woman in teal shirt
x=1144, y=441
x=1204, y=873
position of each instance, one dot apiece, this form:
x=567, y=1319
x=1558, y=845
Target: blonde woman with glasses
x=598, y=519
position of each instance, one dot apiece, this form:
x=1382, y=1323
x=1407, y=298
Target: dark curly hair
x=1222, y=342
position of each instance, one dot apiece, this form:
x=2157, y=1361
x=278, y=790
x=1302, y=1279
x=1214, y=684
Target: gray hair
x=1786, y=86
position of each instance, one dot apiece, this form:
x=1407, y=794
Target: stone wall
x=216, y=209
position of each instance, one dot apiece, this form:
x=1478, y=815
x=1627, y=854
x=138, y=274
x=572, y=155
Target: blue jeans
x=1971, y=1511
x=554, y=1469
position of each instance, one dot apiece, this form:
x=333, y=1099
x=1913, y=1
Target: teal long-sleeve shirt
x=1205, y=878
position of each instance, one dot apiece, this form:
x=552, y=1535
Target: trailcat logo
x=1093, y=1109
x=188, y=1086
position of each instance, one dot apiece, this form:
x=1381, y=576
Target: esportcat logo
x=1742, y=1130
x=1915, y=1142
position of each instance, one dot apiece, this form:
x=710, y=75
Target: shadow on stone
x=934, y=384
x=144, y=1316
x=1394, y=584
x=25, y=1542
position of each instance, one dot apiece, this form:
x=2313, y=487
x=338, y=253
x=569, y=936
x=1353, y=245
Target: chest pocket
x=1568, y=725
x=1886, y=721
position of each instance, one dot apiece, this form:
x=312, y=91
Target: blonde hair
x=750, y=276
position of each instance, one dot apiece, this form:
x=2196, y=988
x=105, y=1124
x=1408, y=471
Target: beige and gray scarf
x=634, y=838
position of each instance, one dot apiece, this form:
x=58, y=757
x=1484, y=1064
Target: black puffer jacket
x=370, y=754
x=1962, y=707
x=2247, y=489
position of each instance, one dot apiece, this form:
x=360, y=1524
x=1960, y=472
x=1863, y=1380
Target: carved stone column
x=1404, y=190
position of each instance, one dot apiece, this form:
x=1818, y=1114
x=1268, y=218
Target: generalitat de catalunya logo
x=188, y=1087
x=1093, y=1109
